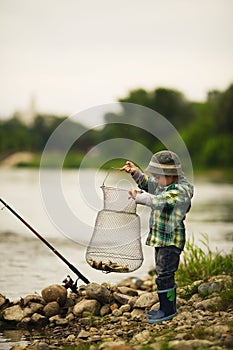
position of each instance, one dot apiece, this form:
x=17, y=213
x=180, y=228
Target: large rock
x=98, y=292
x=13, y=313
x=208, y=288
x=89, y=306
x=51, y=309
x=55, y=292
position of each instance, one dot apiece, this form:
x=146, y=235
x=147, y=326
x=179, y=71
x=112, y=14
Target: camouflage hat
x=165, y=163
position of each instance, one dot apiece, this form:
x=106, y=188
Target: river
x=27, y=265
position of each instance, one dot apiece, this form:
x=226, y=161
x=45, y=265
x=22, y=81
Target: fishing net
x=115, y=245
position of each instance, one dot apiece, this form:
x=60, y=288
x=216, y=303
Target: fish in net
x=115, y=245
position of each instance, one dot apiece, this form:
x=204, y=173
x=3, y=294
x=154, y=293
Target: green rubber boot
x=167, y=308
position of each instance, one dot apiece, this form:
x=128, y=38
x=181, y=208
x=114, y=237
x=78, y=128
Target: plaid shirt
x=169, y=206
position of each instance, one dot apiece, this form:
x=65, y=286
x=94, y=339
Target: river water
x=27, y=265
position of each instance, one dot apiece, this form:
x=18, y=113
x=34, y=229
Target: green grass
x=201, y=263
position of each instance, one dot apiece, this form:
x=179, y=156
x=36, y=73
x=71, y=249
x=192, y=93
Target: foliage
x=206, y=128
x=201, y=263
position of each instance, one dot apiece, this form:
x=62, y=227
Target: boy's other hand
x=129, y=167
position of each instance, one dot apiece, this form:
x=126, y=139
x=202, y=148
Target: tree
x=223, y=113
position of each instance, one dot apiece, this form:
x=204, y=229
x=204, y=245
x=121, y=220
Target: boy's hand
x=133, y=193
x=129, y=167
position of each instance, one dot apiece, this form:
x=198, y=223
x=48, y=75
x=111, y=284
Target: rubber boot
x=167, y=308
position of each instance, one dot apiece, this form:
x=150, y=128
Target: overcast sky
x=74, y=54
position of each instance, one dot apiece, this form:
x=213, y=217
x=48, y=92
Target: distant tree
x=170, y=103
x=14, y=136
x=223, y=113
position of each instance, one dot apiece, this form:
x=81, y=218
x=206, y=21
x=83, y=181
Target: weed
x=146, y=347
x=200, y=333
x=201, y=263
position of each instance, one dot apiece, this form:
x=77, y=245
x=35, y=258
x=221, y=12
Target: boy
x=169, y=194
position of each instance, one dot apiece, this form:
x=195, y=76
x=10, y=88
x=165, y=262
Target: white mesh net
x=115, y=245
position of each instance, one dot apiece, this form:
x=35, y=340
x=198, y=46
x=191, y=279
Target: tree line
x=206, y=127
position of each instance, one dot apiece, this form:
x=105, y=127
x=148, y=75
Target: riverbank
x=114, y=317
x=73, y=160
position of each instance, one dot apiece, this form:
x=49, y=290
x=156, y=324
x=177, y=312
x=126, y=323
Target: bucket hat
x=165, y=163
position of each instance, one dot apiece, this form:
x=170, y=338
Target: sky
x=71, y=55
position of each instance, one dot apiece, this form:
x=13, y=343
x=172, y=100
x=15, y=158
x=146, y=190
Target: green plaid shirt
x=169, y=206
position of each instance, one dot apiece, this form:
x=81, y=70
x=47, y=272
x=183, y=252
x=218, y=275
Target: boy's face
x=163, y=180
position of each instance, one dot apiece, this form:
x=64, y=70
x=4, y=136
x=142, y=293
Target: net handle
x=109, y=171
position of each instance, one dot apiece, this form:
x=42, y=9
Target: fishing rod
x=72, y=267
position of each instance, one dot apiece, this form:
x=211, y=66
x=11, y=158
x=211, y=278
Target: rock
x=34, y=308
x=218, y=330
x=13, y=313
x=146, y=300
x=131, y=282
x=227, y=341
x=70, y=338
x=105, y=310
x=3, y=300
x=39, y=320
x=83, y=334
x=128, y=291
x=19, y=347
x=113, y=306
x=141, y=338
x=155, y=306
x=58, y=320
x=208, y=303
x=111, y=344
x=33, y=298
x=122, y=298
x=190, y=344
x=208, y=288
x=38, y=345
x=98, y=292
x=181, y=336
x=25, y=323
x=55, y=293
x=125, y=308
x=137, y=314
x=51, y=309
x=117, y=313
x=87, y=305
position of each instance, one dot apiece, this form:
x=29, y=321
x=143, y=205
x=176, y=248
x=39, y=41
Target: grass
x=201, y=263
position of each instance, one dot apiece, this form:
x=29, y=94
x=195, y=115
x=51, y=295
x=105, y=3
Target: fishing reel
x=69, y=283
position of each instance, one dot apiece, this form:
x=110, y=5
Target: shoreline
x=103, y=316
x=31, y=160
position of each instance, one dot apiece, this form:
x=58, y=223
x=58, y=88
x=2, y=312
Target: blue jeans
x=166, y=264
